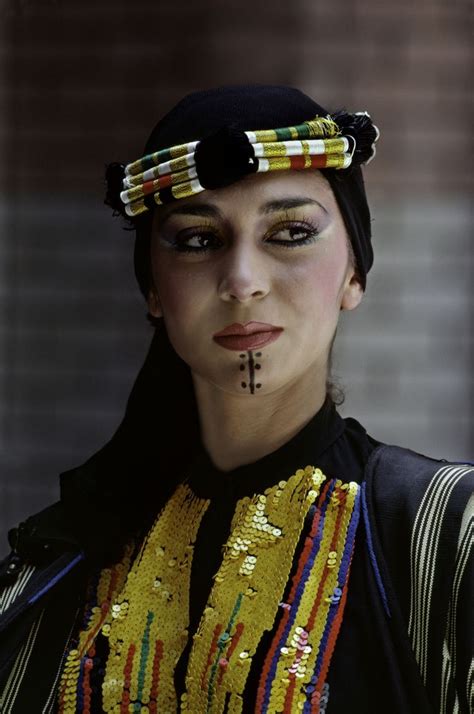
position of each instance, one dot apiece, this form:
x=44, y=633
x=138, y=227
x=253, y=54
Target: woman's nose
x=243, y=276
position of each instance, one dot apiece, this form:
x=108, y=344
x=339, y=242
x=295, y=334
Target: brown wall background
x=82, y=84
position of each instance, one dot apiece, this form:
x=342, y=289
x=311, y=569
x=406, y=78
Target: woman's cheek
x=171, y=286
x=314, y=285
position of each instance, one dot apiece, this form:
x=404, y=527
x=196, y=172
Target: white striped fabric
x=12, y=687
x=50, y=702
x=423, y=558
x=9, y=694
x=465, y=541
x=446, y=675
x=466, y=536
x=470, y=683
x=10, y=594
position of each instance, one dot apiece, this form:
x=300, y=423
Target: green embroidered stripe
x=222, y=644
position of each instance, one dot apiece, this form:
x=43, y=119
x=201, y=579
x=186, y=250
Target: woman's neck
x=237, y=430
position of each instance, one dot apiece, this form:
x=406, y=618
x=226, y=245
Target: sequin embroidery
x=143, y=608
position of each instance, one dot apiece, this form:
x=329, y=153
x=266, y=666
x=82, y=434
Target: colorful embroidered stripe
x=319, y=137
x=319, y=126
x=320, y=161
x=159, y=157
x=155, y=679
x=268, y=160
x=152, y=184
x=127, y=675
x=239, y=628
x=212, y=650
x=289, y=616
x=74, y=690
x=335, y=613
x=222, y=643
x=178, y=169
x=296, y=148
x=193, y=187
x=278, y=156
x=319, y=583
x=145, y=651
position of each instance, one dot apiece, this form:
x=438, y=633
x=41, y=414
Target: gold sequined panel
x=247, y=591
x=149, y=635
x=109, y=583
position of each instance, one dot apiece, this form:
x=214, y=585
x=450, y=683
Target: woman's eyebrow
x=208, y=210
x=284, y=204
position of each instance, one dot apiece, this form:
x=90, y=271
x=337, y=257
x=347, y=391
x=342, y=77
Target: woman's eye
x=294, y=235
x=195, y=242
x=287, y=236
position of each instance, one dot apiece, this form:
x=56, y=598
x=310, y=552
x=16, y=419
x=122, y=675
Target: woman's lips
x=248, y=336
x=248, y=342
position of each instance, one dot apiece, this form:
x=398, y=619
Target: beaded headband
x=335, y=141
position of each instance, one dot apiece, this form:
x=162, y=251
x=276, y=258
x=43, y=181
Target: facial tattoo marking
x=250, y=366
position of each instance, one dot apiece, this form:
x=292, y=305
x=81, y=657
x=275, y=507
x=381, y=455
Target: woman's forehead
x=255, y=190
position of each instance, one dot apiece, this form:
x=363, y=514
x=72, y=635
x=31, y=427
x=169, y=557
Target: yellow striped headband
x=335, y=141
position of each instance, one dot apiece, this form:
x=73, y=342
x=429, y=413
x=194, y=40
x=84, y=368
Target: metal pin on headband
x=229, y=154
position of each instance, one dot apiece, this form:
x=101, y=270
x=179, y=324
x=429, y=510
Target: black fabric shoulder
x=418, y=508
x=399, y=483
x=43, y=536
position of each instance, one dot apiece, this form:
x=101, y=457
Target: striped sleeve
x=441, y=574
x=39, y=612
x=15, y=679
x=10, y=593
x=458, y=662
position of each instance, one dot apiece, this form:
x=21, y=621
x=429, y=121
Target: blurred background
x=82, y=84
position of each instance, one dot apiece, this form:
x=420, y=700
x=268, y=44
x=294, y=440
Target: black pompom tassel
x=224, y=157
x=361, y=128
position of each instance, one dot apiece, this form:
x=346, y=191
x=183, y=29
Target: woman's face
x=270, y=249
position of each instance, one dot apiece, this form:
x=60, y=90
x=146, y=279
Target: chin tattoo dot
x=248, y=363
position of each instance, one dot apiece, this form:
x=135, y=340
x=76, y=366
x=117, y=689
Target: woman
x=237, y=545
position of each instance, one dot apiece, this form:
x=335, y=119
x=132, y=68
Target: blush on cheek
x=317, y=282
x=329, y=283
x=330, y=270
